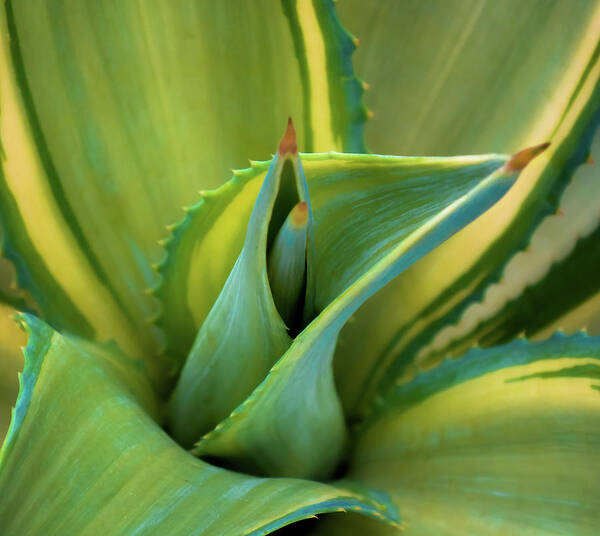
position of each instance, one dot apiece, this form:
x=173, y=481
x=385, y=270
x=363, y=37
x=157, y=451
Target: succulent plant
x=375, y=338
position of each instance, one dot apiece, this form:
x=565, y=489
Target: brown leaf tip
x=299, y=215
x=522, y=158
x=288, y=145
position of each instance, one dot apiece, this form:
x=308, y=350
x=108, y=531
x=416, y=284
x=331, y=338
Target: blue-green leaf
x=128, y=112
x=243, y=334
x=387, y=341
x=501, y=441
x=88, y=410
x=12, y=339
x=386, y=195
x=292, y=424
x=457, y=76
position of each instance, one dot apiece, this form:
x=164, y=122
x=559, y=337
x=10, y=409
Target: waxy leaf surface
x=501, y=441
x=295, y=414
x=127, y=113
x=119, y=473
x=243, y=335
x=387, y=196
x=437, y=291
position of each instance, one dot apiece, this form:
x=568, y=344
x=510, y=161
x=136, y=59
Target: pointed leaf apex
x=522, y=158
x=288, y=145
x=299, y=215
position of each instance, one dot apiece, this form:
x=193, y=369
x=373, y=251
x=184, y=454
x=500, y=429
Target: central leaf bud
x=260, y=308
x=287, y=265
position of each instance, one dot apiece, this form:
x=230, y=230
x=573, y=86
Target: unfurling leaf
x=287, y=262
x=293, y=424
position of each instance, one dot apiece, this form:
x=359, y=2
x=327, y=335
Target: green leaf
x=340, y=186
x=292, y=424
x=114, y=471
x=127, y=113
x=12, y=339
x=501, y=441
x=212, y=229
x=10, y=294
x=243, y=331
x=331, y=93
x=288, y=262
x=541, y=285
x=451, y=77
x=366, y=205
x=386, y=339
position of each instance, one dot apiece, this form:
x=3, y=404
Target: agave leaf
x=243, y=335
x=12, y=339
x=540, y=285
x=502, y=441
x=585, y=315
x=365, y=205
x=340, y=186
x=437, y=290
x=449, y=77
x=127, y=113
x=292, y=424
x=119, y=473
x=574, y=307
x=10, y=294
x=213, y=229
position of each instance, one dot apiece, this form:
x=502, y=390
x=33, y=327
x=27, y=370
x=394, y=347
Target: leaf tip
x=522, y=158
x=299, y=215
x=288, y=144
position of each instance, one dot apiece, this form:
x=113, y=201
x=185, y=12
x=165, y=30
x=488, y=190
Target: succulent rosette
x=398, y=342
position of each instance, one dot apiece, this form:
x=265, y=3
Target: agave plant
x=335, y=332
